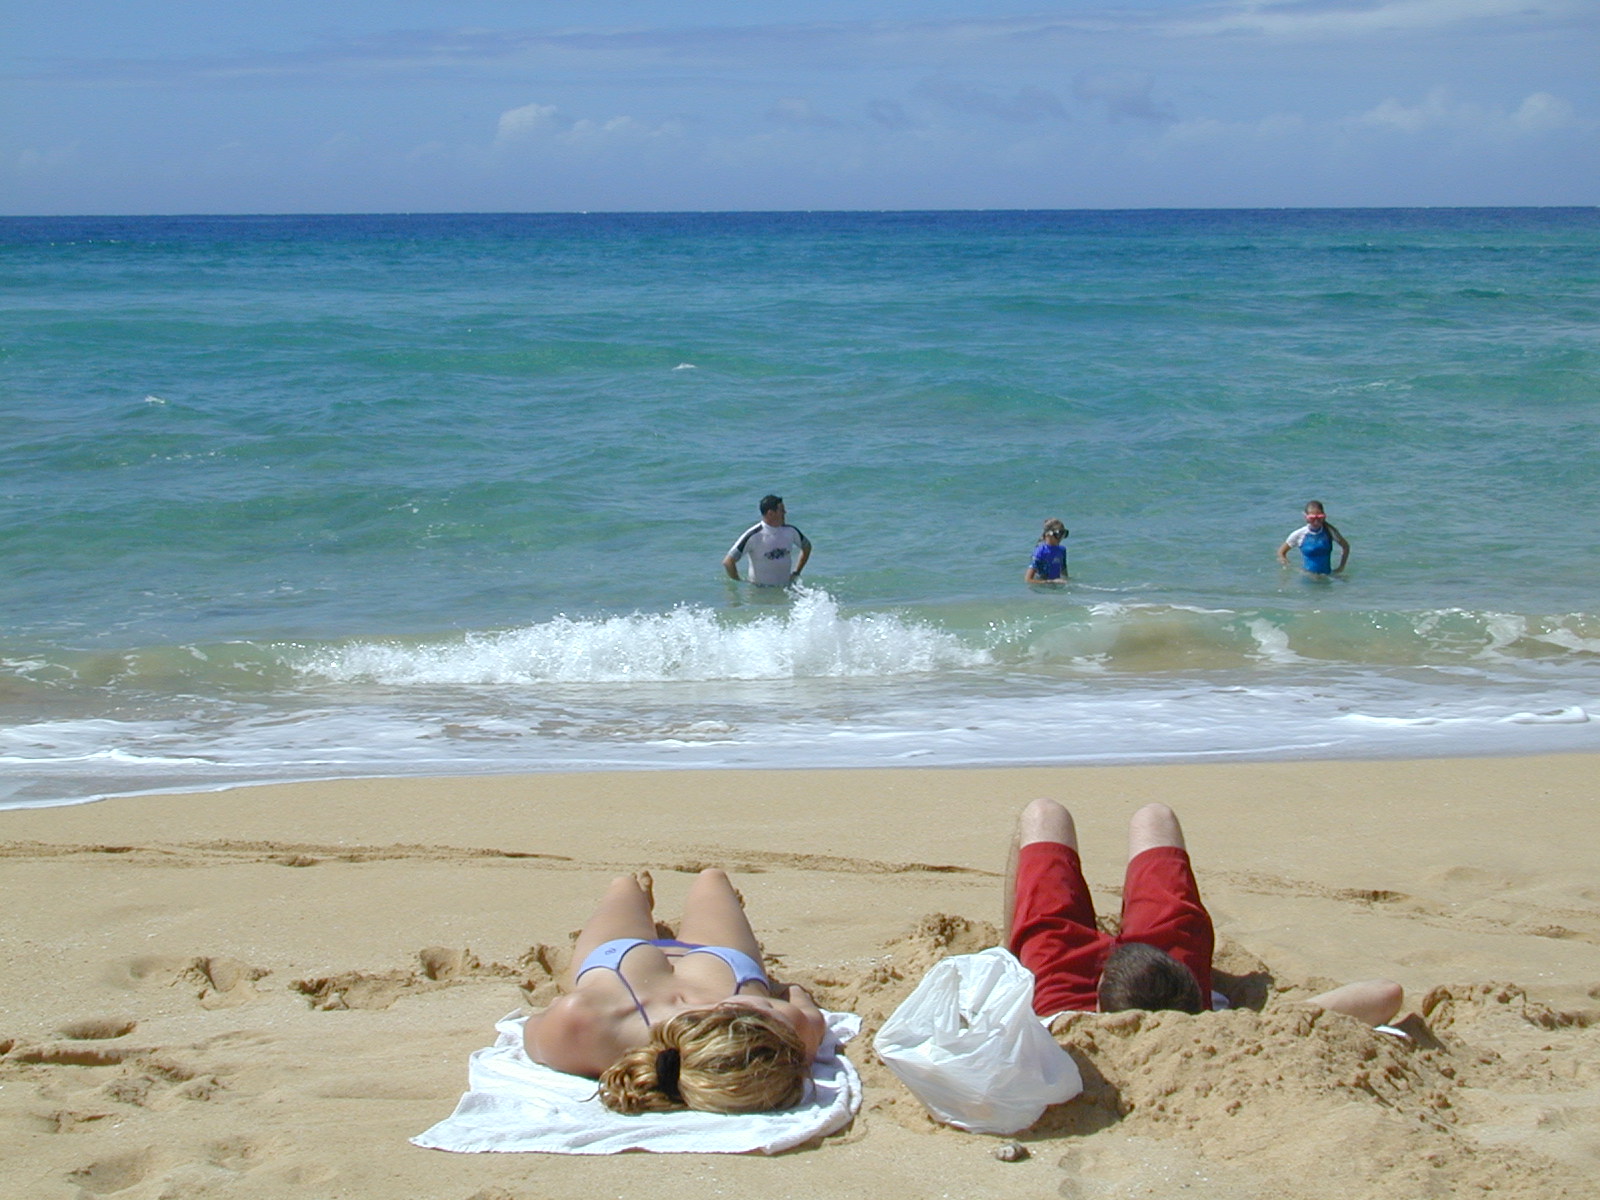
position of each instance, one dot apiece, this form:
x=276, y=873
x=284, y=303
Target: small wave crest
x=807, y=636
x=808, y=639
x=1148, y=639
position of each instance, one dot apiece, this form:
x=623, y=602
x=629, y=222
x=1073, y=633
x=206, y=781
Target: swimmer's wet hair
x=1140, y=976
x=722, y=1060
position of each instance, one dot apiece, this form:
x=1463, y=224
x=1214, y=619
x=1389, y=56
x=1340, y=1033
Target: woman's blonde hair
x=724, y=1060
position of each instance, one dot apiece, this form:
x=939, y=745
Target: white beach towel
x=515, y=1104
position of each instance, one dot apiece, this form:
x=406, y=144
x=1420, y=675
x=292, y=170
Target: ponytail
x=725, y=1060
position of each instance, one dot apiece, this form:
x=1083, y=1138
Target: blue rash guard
x=1049, y=562
x=1316, y=548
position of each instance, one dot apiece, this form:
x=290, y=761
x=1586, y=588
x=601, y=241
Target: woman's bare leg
x=714, y=916
x=623, y=912
x=1374, y=1001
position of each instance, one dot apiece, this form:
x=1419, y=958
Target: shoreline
x=1289, y=755
x=165, y=1031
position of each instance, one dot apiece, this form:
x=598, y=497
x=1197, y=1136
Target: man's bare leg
x=1153, y=825
x=1041, y=821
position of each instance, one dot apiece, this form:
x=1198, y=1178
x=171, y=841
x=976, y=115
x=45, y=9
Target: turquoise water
x=291, y=497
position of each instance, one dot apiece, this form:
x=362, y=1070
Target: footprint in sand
x=441, y=962
x=158, y=1083
x=441, y=966
x=92, y=1029
x=114, y=1174
x=56, y=1055
x=243, y=1153
x=219, y=981
x=67, y=1120
x=355, y=989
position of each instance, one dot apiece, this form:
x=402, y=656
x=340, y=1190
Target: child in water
x=1315, y=540
x=1049, y=563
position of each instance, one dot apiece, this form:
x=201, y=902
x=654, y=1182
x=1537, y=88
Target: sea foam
x=809, y=639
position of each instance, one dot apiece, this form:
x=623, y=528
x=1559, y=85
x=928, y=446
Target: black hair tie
x=668, y=1063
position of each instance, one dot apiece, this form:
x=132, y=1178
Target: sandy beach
x=266, y=992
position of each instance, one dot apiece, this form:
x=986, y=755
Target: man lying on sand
x=1160, y=958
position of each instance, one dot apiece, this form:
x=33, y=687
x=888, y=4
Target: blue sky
x=189, y=106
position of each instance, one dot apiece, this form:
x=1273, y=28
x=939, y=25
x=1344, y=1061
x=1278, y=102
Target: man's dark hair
x=1140, y=976
x=768, y=503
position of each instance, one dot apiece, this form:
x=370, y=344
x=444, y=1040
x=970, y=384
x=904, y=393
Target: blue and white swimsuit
x=609, y=956
x=1316, y=548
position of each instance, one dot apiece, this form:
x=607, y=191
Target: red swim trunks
x=1053, y=927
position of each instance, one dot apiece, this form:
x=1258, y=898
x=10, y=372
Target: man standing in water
x=771, y=544
x=1315, y=540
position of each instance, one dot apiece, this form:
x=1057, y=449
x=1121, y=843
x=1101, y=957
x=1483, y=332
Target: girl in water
x=1049, y=564
x=669, y=1024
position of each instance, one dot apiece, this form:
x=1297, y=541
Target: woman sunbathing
x=667, y=1024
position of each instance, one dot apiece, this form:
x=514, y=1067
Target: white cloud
x=34, y=162
x=1539, y=113
x=1202, y=131
x=1363, y=18
x=619, y=129
x=794, y=111
x=519, y=124
x=544, y=126
x=1125, y=95
x=1437, y=116
x=1434, y=111
x=1026, y=105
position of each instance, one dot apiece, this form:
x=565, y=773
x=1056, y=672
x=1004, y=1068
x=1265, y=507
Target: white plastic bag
x=968, y=1045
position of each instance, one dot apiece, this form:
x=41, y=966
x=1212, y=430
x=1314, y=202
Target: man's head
x=772, y=510
x=1140, y=976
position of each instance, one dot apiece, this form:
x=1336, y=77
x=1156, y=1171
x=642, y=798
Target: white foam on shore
x=834, y=722
x=796, y=680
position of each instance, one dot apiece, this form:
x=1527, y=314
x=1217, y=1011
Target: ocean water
x=305, y=497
